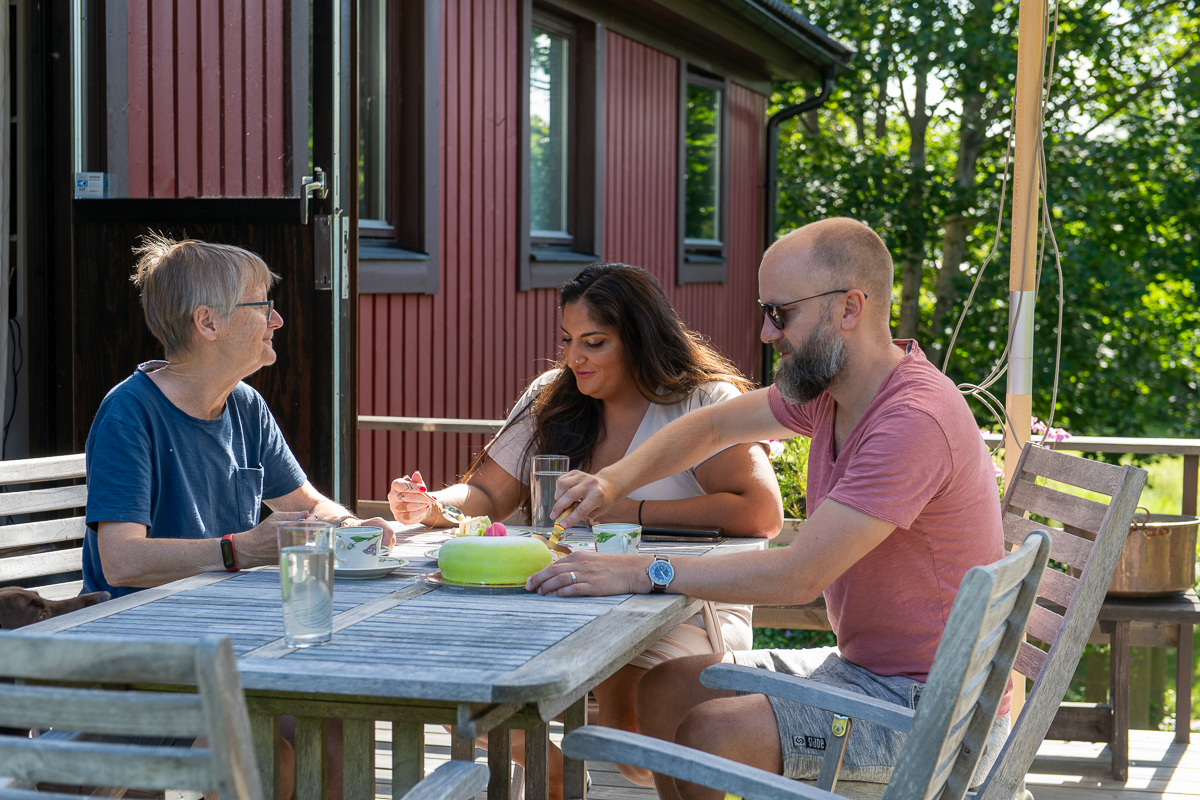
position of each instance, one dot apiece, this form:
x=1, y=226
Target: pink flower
x=1037, y=427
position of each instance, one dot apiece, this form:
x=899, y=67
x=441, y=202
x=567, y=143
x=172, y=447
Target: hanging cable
x=980, y=390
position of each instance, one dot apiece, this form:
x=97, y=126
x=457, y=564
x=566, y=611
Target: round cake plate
x=369, y=572
x=435, y=579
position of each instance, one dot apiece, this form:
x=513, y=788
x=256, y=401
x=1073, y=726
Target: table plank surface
x=404, y=649
x=399, y=638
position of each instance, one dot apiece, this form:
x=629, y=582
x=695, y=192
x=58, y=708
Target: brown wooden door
x=307, y=240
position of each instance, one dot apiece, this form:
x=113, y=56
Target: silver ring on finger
x=574, y=577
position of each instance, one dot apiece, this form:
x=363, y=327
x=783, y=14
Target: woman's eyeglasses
x=774, y=311
x=270, y=304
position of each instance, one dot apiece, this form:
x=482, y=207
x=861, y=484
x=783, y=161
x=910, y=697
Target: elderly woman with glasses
x=182, y=454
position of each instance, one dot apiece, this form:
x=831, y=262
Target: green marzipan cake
x=492, y=560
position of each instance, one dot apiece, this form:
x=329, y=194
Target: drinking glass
x=305, y=533
x=306, y=580
x=546, y=472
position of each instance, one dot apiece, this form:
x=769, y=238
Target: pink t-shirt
x=916, y=460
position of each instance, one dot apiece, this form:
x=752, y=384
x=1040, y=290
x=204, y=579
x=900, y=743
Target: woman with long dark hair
x=629, y=366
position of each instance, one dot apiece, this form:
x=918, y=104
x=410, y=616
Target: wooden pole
x=1031, y=62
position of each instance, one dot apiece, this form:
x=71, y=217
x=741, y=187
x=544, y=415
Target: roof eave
x=787, y=26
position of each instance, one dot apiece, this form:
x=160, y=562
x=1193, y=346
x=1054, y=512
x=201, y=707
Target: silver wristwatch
x=661, y=574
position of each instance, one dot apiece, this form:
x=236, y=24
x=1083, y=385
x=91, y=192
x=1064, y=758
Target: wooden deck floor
x=1158, y=769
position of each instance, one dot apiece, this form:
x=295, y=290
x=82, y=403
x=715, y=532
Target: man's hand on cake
x=591, y=495
x=409, y=499
x=592, y=574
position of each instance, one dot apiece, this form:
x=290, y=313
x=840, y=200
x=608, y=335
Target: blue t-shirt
x=183, y=478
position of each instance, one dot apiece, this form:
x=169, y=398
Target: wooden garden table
x=407, y=653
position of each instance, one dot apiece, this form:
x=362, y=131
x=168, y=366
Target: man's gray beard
x=812, y=368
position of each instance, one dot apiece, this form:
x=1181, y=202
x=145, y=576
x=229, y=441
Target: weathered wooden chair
x=454, y=780
x=216, y=712
x=96, y=706
x=1069, y=603
x=946, y=734
x=44, y=555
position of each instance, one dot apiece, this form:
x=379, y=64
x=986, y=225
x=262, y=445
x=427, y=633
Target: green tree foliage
x=702, y=162
x=547, y=131
x=913, y=143
x=791, y=469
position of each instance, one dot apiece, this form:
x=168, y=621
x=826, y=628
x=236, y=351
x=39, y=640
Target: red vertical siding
x=642, y=187
x=162, y=99
x=469, y=350
x=206, y=98
x=139, y=99
x=641, y=158
x=187, y=106
x=747, y=177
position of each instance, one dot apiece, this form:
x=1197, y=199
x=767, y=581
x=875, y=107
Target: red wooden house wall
x=206, y=98
x=207, y=118
x=470, y=350
x=642, y=184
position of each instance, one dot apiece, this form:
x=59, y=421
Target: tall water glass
x=311, y=532
x=306, y=580
x=546, y=472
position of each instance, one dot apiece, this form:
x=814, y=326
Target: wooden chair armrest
x=741, y=678
x=694, y=766
x=454, y=780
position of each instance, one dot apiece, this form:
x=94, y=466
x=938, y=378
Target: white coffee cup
x=617, y=537
x=358, y=547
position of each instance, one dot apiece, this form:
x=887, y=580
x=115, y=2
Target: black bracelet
x=642, y=503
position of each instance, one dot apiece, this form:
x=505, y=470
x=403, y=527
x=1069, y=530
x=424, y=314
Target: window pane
x=372, y=110
x=548, y=132
x=703, y=197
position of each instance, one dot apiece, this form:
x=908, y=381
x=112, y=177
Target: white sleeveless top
x=511, y=448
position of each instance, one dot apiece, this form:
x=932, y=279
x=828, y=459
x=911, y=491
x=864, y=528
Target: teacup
x=359, y=547
x=617, y=537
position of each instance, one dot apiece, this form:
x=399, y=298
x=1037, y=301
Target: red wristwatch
x=227, y=554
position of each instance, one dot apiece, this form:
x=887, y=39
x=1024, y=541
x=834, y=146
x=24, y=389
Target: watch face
x=661, y=572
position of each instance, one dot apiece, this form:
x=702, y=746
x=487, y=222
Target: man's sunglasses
x=774, y=311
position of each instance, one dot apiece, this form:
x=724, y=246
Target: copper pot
x=1159, y=556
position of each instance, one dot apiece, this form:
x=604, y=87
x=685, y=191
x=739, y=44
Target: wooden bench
x=46, y=554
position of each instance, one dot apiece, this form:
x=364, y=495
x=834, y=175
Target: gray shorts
x=872, y=750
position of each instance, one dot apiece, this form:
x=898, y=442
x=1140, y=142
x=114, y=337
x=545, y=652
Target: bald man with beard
x=902, y=502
